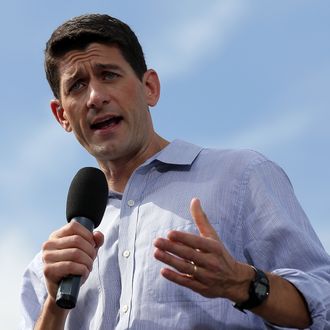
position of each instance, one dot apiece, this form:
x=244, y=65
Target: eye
x=77, y=85
x=109, y=75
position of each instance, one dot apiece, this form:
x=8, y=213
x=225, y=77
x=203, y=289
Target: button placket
x=128, y=227
x=126, y=253
x=125, y=309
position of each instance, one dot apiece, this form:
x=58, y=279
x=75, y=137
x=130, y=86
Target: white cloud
x=272, y=132
x=15, y=254
x=191, y=40
x=300, y=110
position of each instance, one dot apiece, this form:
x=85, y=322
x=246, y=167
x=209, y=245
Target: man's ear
x=152, y=87
x=60, y=114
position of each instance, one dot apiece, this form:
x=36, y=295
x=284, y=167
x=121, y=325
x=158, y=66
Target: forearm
x=52, y=317
x=285, y=306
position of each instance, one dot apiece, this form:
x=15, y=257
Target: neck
x=119, y=171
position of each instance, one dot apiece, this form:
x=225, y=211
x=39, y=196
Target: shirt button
x=130, y=203
x=125, y=308
x=126, y=253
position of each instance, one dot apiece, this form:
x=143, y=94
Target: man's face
x=104, y=103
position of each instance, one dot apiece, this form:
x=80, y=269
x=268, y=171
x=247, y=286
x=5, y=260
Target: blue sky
x=235, y=74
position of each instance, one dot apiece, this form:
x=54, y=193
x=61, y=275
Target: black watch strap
x=258, y=291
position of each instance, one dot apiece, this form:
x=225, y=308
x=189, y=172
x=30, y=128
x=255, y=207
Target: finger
x=71, y=255
x=70, y=242
x=187, y=268
x=183, y=280
x=73, y=228
x=192, y=240
x=201, y=220
x=55, y=272
x=183, y=251
x=98, y=239
x=181, y=265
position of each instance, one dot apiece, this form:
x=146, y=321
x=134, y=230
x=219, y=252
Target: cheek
x=140, y=107
x=136, y=94
x=72, y=113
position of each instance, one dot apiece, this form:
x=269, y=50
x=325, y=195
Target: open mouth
x=107, y=123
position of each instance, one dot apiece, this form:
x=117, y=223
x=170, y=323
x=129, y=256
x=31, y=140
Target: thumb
x=201, y=220
x=98, y=239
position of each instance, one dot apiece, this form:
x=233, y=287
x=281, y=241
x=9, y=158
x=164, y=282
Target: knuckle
x=60, y=232
x=73, y=226
x=48, y=271
x=53, y=235
x=46, y=245
x=76, y=253
x=70, y=267
x=93, y=255
x=85, y=271
x=46, y=256
x=74, y=268
x=213, y=265
x=75, y=240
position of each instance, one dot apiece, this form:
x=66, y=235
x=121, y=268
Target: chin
x=104, y=153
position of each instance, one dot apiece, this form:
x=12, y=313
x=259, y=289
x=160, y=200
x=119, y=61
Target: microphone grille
x=88, y=195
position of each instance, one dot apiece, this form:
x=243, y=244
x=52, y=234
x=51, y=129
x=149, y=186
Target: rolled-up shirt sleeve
x=278, y=237
x=315, y=289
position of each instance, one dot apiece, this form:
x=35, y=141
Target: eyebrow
x=99, y=66
x=108, y=66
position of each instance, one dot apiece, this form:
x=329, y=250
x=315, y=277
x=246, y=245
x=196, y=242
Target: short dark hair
x=78, y=32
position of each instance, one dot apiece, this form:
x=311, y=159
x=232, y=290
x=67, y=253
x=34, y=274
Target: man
x=188, y=232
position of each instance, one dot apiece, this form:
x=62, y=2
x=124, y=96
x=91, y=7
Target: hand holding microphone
x=69, y=253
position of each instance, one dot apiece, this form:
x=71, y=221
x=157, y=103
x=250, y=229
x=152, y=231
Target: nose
x=98, y=96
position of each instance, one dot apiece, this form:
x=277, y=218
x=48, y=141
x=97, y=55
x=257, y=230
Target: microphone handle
x=68, y=289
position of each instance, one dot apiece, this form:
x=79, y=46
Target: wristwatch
x=258, y=291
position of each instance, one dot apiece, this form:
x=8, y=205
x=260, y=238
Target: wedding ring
x=194, y=271
x=191, y=275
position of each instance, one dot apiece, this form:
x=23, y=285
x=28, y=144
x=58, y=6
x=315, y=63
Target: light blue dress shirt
x=251, y=204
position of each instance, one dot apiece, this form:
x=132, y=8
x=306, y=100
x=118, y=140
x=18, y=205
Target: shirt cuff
x=315, y=290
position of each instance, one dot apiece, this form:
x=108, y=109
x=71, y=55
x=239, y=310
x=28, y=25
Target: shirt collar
x=178, y=153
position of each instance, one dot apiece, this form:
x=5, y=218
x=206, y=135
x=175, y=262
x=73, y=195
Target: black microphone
x=86, y=203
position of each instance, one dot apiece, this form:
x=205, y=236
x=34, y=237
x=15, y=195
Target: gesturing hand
x=202, y=263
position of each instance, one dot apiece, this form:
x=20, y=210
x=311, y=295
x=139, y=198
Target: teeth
x=106, y=123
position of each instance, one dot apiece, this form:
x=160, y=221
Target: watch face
x=261, y=288
x=258, y=291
